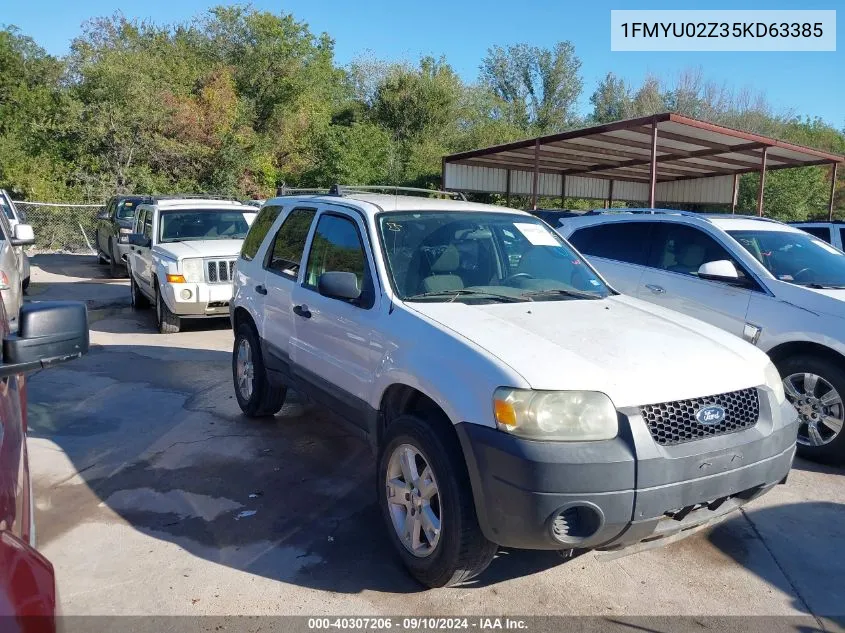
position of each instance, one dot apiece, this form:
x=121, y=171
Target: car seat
x=443, y=277
x=690, y=259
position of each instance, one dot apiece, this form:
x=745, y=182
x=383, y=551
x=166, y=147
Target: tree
x=611, y=101
x=538, y=86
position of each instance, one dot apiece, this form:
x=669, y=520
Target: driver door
x=142, y=255
x=671, y=277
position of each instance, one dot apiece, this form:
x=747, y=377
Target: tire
x=461, y=551
x=261, y=399
x=114, y=269
x=167, y=322
x=100, y=258
x=25, y=285
x=830, y=378
x=137, y=299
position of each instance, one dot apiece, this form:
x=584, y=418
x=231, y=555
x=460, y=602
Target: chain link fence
x=61, y=228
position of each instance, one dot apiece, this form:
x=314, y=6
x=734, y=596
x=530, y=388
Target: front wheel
x=114, y=263
x=816, y=387
x=427, y=504
x=257, y=397
x=167, y=322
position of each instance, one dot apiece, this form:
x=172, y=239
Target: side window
x=148, y=224
x=683, y=249
x=842, y=237
x=821, y=232
x=289, y=243
x=257, y=232
x=337, y=247
x=621, y=241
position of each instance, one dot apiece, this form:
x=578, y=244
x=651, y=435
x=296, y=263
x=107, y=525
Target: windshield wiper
x=818, y=286
x=454, y=294
x=561, y=292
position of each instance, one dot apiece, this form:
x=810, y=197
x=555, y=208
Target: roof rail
x=621, y=210
x=340, y=190
x=193, y=196
x=284, y=190
x=744, y=217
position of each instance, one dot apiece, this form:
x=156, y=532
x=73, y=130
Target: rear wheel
x=257, y=397
x=137, y=299
x=25, y=284
x=100, y=257
x=816, y=388
x=426, y=500
x=168, y=323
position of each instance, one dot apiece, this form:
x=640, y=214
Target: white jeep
x=512, y=397
x=182, y=257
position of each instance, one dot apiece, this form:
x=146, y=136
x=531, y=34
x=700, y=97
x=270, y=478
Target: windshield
x=126, y=209
x=482, y=257
x=798, y=258
x=204, y=224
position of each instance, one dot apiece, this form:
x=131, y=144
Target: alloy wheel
x=413, y=499
x=819, y=405
x=244, y=369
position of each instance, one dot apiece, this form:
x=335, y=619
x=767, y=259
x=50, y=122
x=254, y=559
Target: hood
x=829, y=301
x=633, y=351
x=200, y=248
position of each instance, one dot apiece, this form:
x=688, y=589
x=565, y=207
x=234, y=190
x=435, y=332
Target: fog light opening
x=185, y=294
x=576, y=523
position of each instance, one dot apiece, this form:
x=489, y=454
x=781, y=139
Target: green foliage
x=239, y=100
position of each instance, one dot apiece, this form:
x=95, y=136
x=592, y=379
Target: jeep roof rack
x=341, y=190
x=194, y=196
x=284, y=190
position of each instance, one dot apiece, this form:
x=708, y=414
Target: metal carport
x=666, y=157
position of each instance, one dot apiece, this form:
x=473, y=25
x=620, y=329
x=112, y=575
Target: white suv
x=778, y=287
x=182, y=257
x=511, y=396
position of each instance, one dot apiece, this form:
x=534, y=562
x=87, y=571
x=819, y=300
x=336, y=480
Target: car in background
x=770, y=283
x=12, y=242
x=182, y=254
x=510, y=396
x=114, y=225
x=16, y=216
x=831, y=232
x=552, y=217
x=49, y=333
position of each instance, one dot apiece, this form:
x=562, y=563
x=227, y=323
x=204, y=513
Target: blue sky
x=802, y=83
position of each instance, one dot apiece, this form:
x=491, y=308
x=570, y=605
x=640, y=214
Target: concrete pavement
x=155, y=496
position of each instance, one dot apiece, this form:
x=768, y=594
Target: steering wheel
x=801, y=272
x=506, y=281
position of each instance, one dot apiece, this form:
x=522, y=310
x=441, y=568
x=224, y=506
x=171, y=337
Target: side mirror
x=722, y=270
x=338, y=285
x=104, y=215
x=49, y=332
x=139, y=239
x=23, y=235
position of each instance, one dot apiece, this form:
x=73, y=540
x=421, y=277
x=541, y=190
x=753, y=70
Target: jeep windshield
x=798, y=258
x=204, y=224
x=480, y=257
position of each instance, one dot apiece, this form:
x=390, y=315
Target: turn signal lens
x=175, y=279
x=504, y=411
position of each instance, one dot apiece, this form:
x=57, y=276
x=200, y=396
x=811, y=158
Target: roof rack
x=284, y=190
x=193, y=196
x=744, y=217
x=622, y=211
x=341, y=190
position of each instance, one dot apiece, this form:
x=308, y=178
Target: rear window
x=258, y=231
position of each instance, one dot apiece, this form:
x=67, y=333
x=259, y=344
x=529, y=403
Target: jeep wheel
x=256, y=395
x=137, y=299
x=167, y=322
x=816, y=388
x=427, y=504
x=25, y=285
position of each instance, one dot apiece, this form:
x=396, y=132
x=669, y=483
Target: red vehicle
x=49, y=333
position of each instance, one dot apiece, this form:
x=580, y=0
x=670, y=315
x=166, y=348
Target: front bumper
x=123, y=250
x=615, y=493
x=201, y=300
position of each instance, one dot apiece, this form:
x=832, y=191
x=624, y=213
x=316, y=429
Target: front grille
x=220, y=270
x=674, y=422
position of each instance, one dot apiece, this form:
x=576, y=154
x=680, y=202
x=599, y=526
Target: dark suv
x=114, y=225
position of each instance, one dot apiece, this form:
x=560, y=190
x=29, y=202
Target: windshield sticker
x=537, y=234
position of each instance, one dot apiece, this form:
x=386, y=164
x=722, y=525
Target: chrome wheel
x=245, y=369
x=819, y=406
x=413, y=499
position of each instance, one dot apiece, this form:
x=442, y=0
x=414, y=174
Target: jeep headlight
x=566, y=416
x=775, y=382
x=123, y=235
x=192, y=270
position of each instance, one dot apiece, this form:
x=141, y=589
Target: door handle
x=261, y=289
x=658, y=290
x=302, y=311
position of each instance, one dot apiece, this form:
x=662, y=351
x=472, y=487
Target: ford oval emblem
x=711, y=415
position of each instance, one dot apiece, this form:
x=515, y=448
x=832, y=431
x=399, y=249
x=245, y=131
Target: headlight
x=775, y=382
x=123, y=235
x=192, y=270
x=567, y=416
